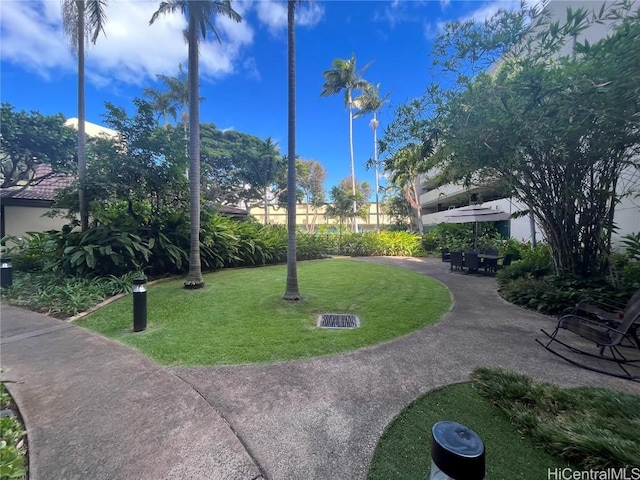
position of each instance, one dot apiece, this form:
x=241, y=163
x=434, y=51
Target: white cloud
x=310, y=15
x=484, y=12
x=273, y=14
x=33, y=37
x=488, y=10
x=131, y=51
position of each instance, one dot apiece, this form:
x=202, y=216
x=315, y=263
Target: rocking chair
x=607, y=338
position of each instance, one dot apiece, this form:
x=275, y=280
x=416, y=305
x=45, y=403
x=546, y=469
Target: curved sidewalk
x=96, y=409
x=321, y=419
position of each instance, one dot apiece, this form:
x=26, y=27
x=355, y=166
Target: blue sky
x=244, y=79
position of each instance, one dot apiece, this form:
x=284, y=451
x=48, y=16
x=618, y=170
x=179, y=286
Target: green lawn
x=240, y=316
x=404, y=451
x=527, y=427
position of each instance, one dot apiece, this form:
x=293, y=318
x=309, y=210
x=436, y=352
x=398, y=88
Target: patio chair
x=471, y=261
x=606, y=338
x=606, y=311
x=491, y=251
x=457, y=261
x=446, y=255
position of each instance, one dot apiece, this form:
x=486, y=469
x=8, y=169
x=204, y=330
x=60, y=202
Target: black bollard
x=6, y=273
x=139, y=304
x=457, y=453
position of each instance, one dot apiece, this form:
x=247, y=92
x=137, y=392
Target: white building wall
x=20, y=220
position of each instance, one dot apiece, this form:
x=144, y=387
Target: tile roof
x=43, y=190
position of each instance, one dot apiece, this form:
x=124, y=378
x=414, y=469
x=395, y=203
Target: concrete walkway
x=96, y=409
x=321, y=419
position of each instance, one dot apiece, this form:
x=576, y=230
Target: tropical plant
x=162, y=103
x=370, y=101
x=632, y=244
x=344, y=76
x=199, y=15
x=80, y=19
x=342, y=201
x=404, y=169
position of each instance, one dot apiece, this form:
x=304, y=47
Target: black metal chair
x=491, y=251
x=606, y=311
x=606, y=339
x=446, y=254
x=471, y=261
x=457, y=261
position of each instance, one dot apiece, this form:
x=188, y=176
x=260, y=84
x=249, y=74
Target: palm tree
x=343, y=76
x=370, y=102
x=162, y=103
x=82, y=19
x=199, y=13
x=404, y=169
x=178, y=92
x=292, y=291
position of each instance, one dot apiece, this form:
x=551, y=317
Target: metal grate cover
x=338, y=320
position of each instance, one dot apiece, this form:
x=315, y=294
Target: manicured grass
x=240, y=316
x=527, y=428
x=404, y=451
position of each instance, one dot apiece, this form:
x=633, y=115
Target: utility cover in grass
x=338, y=321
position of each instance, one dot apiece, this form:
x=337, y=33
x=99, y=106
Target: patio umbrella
x=475, y=214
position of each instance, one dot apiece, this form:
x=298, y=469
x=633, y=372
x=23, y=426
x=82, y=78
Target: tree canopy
x=31, y=139
x=556, y=119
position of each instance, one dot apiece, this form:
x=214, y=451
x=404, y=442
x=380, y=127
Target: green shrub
x=513, y=247
x=376, y=244
x=101, y=251
x=12, y=464
x=554, y=294
x=632, y=244
x=33, y=252
x=534, y=263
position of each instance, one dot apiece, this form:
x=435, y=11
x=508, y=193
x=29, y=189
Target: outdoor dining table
x=489, y=262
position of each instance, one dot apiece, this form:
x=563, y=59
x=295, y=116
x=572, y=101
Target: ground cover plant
x=12, y=441
x=592, y=428
x=62, y=296
x=240, y=316
x=531, y=282
x=527, y=427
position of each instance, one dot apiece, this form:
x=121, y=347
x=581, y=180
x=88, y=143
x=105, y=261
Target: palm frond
x=69, y=10
x=167, y=7
x=96, y=18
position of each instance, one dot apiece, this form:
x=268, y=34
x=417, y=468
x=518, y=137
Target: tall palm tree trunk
x=292, y=292
x=375, y=164
x=353, y=172
x=194, y=277
x=82, y=136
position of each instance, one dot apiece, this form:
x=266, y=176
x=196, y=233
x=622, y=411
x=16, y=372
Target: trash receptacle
x=457, y=453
